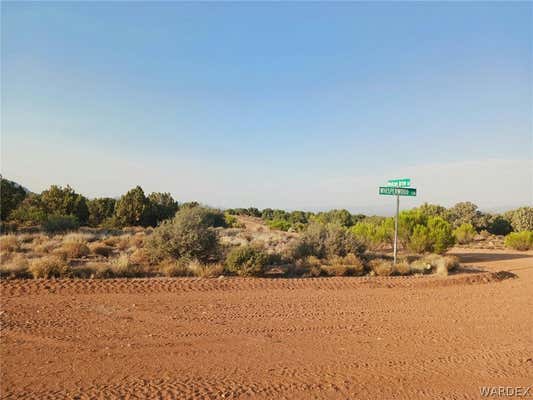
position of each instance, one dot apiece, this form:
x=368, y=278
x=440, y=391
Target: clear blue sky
x=291, y=105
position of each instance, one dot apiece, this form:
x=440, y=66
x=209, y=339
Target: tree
x=131, y=209
x=162, y=206
x=432, y=210
x=522, y=219
x=467, y=213
x=30, y=212
x=100, y=209
x=11, y=196
x=499, y=225
x=65, y=201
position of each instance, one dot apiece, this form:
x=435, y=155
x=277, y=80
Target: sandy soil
x=326, y=338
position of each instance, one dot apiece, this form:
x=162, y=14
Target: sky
x=285, y=105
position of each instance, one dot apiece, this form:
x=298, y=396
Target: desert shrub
x=420, y=240
x=123, y=242
x=101, y=249
x=465, y=233
x=324, y=241
x=75, y=249
x=519, y=240
x=247, y=261
x=382, y=267
x=189, y=235
x=49, y=267
x=60, y=223
x=16, y=267
x=441, y=234
x=9, y=243
x=279, y=224
x=522, y=219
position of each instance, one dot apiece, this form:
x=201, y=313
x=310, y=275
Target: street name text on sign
x=403, y=182
x=397, y=191
x=397, y=187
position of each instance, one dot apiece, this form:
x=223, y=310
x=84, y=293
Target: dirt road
x=327, y=338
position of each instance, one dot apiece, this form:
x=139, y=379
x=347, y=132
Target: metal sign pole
x=396, y=227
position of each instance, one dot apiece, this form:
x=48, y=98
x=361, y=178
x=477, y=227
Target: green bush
x=420, y=240
x=247, y=261
x=60, y=223
x=441, y=234
x=189, y=234
x=373, y=234
x=325, y=241
x=465, y=233
x=279, y=224
x=519, y=240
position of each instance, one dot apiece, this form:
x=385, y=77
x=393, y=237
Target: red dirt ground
x=325, y=338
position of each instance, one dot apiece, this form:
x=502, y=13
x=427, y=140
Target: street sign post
x=397, y=187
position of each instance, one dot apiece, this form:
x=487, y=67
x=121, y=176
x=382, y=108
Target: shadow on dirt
x=484, y=257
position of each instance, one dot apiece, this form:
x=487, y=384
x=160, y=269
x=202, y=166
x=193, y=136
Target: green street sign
x=404, y=182
x=396, y=191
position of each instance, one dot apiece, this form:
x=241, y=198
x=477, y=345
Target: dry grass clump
x=420, y=267
x=402, y=268
x=140, y=256
x=9, y=243
x=123, y=242
x=205, y=270
x=101, y=249
x=382, y=267
x=74, y=249
x=137, y=240
x=173, y=268
x=308, y=267
x=80, y=237
x=441, y=265
x=16, y=267
x=124, y=267
x=111, y=240
x=47, y=246
x=348, y=265
x=49, y=267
